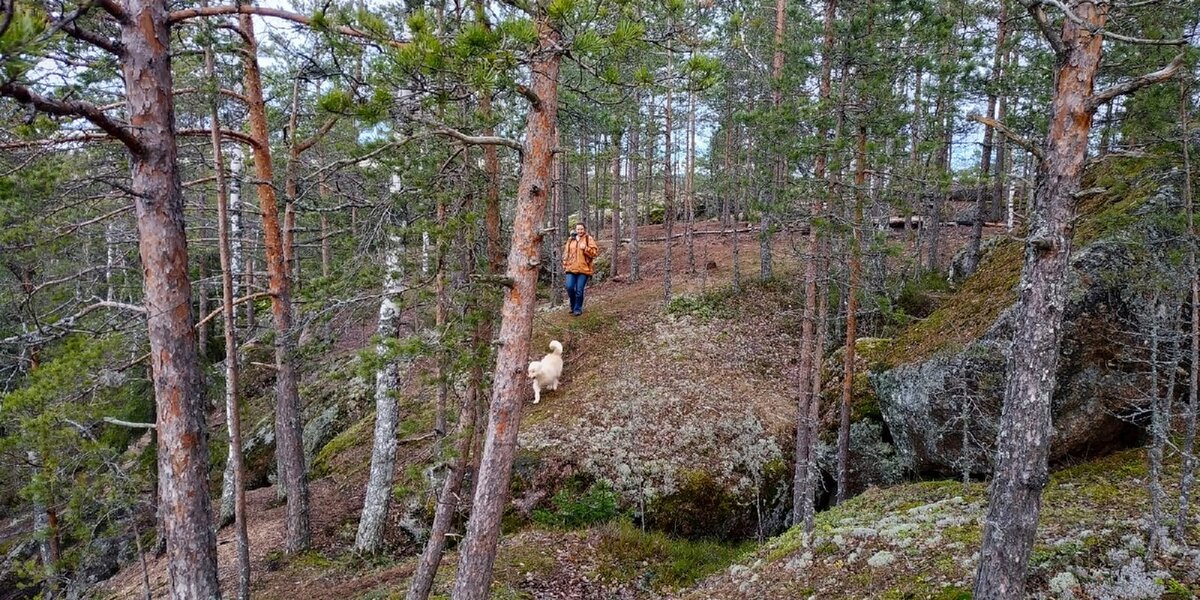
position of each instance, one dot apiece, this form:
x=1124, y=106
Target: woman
x=578, y=255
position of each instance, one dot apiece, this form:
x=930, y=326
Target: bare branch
x=473, y=140
x=113, y=8
x=1094, y=30
x=1051, y=34
x=1132, y=85
x=1013, y=136
x=129, y=424
x=214, y=11
x=529, y=95
x=316, y=137
x=225, y=133
x=70, y=139
x=73, y=108
x=111, y=46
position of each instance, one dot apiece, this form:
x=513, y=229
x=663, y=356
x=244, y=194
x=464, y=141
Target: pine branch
x=1045, y=26
x=73, y=108
x=225, y=133
x=473, y=140
x=215, y=11
x=1132, y=85
x=316, y=137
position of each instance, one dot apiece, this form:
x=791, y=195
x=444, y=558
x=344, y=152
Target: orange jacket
x=579, y=254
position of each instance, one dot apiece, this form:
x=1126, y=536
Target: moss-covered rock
x=941, y=382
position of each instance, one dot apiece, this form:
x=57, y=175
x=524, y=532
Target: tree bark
x=631, y=188
x=1188, y=475
x=668, y=178
x=616, y=201
x=378, y=496
x=289, y=447
x=184, y=505
x=690, y=183
x=843, y=441
x=233, y=419
x=478, y=552
x=804, y=484
x=985, y=159
x=1025, y=426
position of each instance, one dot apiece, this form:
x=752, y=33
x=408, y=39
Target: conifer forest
x=599, y=299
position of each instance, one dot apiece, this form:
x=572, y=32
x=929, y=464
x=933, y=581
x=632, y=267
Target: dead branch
x=1013, y=136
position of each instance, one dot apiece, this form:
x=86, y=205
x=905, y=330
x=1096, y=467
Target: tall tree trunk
x=1025, y=426
x=843, y=441
x=631, y=188
x=233, y=419
x=804, y=484
x=985, y=159
x=289, y=447
x=378, y=496
x=690, y=182
x=779, y=164
x=917, y=201
x=184, y=501
x=814, y=408
x=668, y=179
x=324, y=190
x=1188, y=476
x=202, y=305
x=478, y=552
x=441, y=310
x=617, y=137
x=448, y=499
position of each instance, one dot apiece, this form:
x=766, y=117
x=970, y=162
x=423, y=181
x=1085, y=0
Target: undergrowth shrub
x=575, y=508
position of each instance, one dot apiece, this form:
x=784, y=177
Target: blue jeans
x=575, y=284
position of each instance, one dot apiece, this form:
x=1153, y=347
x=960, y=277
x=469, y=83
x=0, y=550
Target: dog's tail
x=556, y=346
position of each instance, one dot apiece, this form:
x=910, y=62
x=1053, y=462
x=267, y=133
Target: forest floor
x=615, y=560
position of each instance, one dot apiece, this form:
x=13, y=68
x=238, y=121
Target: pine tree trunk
x=289, y=447
x=184, y=502
x=616, y=201
x=1188, y=475
x=448, y=499
x=668, y=181
x=631, y=188
x=814, y=407
x=478, y=552
x=843, y=441
x=1025, y=426
x=804, y=484
x=690, y=183
x=985, y=159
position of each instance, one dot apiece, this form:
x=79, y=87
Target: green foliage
x=660, y=561
x=574, y=508
x=920, y=296
x=22, y=41
x=705, y=306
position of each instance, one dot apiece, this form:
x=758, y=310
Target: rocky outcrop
x=943, y=410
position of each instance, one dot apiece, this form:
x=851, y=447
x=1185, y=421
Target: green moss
x=628, y=554
x=967, y=313
x=354, y=436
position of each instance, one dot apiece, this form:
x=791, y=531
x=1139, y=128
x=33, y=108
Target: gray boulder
x=943, y=411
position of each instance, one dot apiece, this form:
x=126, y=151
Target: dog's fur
x=545, y=373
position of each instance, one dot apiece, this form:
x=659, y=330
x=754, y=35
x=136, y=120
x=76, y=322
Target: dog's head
x=532, y=371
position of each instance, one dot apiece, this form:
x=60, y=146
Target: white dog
x=545, y=373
